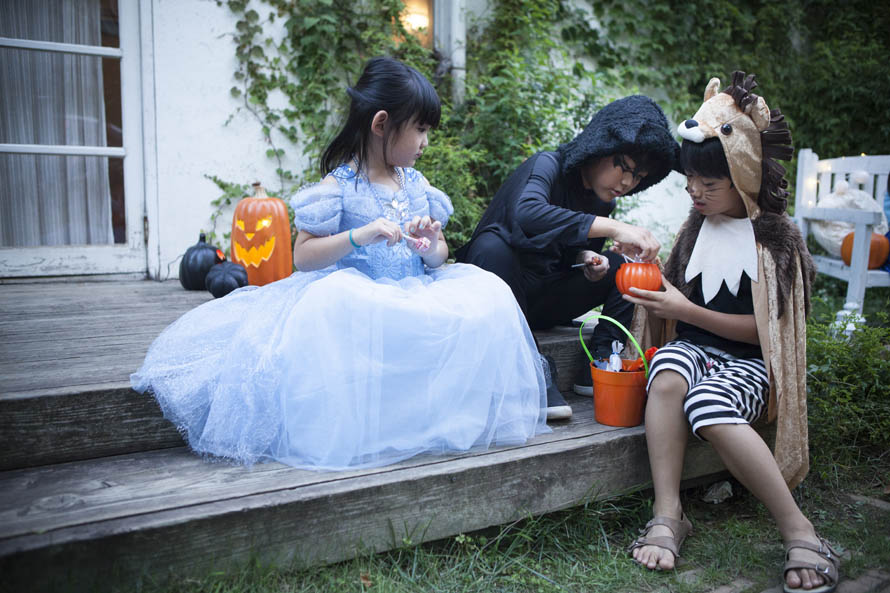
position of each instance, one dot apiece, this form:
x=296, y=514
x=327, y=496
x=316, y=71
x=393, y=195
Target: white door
x=71, y=156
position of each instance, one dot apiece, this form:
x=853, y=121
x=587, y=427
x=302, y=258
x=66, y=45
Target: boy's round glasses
x=636, y=172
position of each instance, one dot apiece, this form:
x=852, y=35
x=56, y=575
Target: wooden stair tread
x=96, y=484
x=169, y=512
x=47, y=498
x=66, y=354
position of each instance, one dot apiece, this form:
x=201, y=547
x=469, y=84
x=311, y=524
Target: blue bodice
x=325, y=209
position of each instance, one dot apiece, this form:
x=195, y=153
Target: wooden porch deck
x=97, y=490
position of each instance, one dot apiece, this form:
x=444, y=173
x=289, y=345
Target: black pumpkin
x=196, y=262
x=225, y=277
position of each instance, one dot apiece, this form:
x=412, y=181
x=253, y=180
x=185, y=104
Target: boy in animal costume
x=732, y=318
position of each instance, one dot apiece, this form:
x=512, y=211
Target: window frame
x=124, y=258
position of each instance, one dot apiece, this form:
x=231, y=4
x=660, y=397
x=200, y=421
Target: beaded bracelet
x=351, y=240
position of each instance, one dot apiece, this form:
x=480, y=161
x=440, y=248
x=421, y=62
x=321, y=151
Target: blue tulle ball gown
x=368, y=362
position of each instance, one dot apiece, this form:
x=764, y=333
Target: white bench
x=817, y=178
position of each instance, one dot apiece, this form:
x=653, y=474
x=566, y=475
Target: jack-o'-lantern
x=261, y=238
x=877, y=252
x=639, y=275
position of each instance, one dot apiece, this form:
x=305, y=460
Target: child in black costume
x=553, y=212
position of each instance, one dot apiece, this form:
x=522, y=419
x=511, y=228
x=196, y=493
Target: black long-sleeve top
x=544, y=214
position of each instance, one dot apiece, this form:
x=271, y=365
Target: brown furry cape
x=781, y=303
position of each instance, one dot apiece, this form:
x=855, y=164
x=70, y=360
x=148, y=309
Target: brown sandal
x=680, y=529
x=828, y=571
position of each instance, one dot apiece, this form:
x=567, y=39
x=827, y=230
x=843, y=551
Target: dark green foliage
x=822, y=63
x=522, y=90
x=538, y=69
x=848, y=394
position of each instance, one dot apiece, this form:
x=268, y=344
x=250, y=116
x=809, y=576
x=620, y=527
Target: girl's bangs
x=706, y=158
x=424, y=104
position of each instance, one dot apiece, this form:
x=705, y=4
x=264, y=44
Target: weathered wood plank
x=53, y=497
x=37, y=375
x=68, y=423
x=61, y=414
x=91, y=352
x=563, y=344
x=80, y=351
x=332, y=520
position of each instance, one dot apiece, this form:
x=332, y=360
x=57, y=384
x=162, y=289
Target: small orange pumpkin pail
x=619, y=398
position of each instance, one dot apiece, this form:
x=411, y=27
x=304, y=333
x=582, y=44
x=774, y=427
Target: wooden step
x=59, y=424
x=66, y=354
x=96, y=524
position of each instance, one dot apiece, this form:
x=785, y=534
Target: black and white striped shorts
x=721, y=390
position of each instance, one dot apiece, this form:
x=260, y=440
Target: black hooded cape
x=543, y=210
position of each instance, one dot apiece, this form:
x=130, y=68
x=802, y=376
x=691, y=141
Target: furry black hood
x=631, y=124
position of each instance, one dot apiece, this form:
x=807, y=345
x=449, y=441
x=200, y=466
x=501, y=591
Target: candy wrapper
x=420, y=244
x=615, y=358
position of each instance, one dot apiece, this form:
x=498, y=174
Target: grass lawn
x=583, y=549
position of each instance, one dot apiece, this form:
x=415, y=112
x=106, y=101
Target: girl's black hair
x=384, y=85
x=704, y=158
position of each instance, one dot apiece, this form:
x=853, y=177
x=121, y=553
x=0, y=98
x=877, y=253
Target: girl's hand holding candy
x=421, y=245
x=422, y=234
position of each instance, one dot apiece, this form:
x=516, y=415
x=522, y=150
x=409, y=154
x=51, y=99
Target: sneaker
x=557, y=408
x=584, y=382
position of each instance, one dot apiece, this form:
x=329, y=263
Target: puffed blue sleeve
x=440, y=205
x=318, y=208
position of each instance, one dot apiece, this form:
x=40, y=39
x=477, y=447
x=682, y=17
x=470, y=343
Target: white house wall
x=194, y=62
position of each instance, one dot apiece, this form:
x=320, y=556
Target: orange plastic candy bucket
x=619, y=399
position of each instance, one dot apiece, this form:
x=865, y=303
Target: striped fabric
x=723, y=390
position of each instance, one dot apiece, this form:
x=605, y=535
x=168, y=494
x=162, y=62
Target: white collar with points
x=725, y=248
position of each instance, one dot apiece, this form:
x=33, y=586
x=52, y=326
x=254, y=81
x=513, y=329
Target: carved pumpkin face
x=250, y=252
x=261, y=238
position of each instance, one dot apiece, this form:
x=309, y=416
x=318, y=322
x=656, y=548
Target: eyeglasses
x=636, y=172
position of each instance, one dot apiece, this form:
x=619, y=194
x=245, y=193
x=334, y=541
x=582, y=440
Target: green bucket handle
x=621, y=327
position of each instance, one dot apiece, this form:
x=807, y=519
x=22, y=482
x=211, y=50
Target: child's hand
x=424, y=227
x=377, y=231
x=667, y=304
x=595, y=265
x=635, y=242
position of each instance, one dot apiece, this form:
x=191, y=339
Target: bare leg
x=750, y=460
x=666, y=433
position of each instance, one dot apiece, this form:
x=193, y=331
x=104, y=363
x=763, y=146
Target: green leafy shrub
x=848, y=385
x=538, y=69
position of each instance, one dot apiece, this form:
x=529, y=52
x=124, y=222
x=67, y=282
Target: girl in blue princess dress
x=374, y=351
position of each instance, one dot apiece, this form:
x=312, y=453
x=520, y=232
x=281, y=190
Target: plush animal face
x=739, y=131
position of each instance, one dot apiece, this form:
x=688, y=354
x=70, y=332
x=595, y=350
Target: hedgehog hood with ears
x=752, y=136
